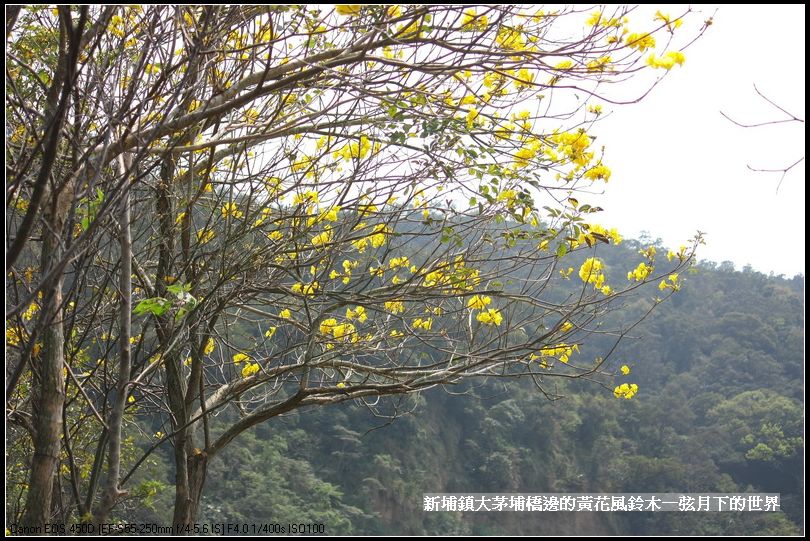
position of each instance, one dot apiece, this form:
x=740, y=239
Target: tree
x=304, y=207
x=790, y=119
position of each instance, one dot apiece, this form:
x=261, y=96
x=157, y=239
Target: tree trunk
x=115, y=423
x=187, y=497
x=49, y=382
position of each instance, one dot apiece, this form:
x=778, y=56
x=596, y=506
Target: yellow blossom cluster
x=355, y=150
x=424, y=324
x=324, y=237
x=456, y=276
x=472, y=22
x=376, y=238
x=339, y=331
x=358, y=313
x=573, y=146
x=562, y=352
x=231, y=210
x=592, y=272
x=478, y=302
x=625, y=390
x=668, y=61
x=492, y=316
x=681, y=254
x=596, y=230
x=395, y=307
x=640, y=273
x=641, y=42
x=670, y=283
x=307, y=197
x=305, y=289
x=346, y=275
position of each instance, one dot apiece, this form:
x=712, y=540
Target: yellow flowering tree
x=390, y=197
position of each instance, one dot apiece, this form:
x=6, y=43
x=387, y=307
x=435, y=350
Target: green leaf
x=156, y=306
x=177, y=289
x=562, y=249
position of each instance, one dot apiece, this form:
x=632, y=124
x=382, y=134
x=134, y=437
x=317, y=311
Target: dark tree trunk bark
x=187, y=500
x=49, y=383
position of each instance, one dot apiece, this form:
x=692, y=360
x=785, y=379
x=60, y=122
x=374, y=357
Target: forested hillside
x=719, y=409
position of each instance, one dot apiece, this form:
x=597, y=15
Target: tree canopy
x=266, y=208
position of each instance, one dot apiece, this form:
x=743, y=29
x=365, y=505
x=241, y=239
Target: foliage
x=302, y=207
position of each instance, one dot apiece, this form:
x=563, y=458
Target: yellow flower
x=599, y=64
x=347, y=10
x=625, y=369
x=322, y=238
x=671, y=25
x=250, y=369
x=13, y=336
x=310, y=196
x=674, y=285
x=32, y=309
x=305, y=289
x=270, y=332
x=358, y=313
x=327, y=325
x=589, y=269
x=567, y=326
x=492, y=316
x=285, y=314
x=471, y=21
x=510, y=38
x=204, y=236
x=625, y=390
x=341, y=385
x=478, y=303
x=395, y=307
x=424, y=324
x=561, y=351
x=642, y=42
x=251, y=115
x=525, y=79
x=240, y=357
x=640, y=273
x=331, y=215
x=209, y=346
x=506, y=195
x=472, y=114
x=399, y=262
x=668, y=61
x=598, y=172
x=230, y=209
x=344, y=330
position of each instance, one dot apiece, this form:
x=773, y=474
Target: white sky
x=679, y=166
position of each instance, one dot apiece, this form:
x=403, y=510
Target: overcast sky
x=679, y=166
